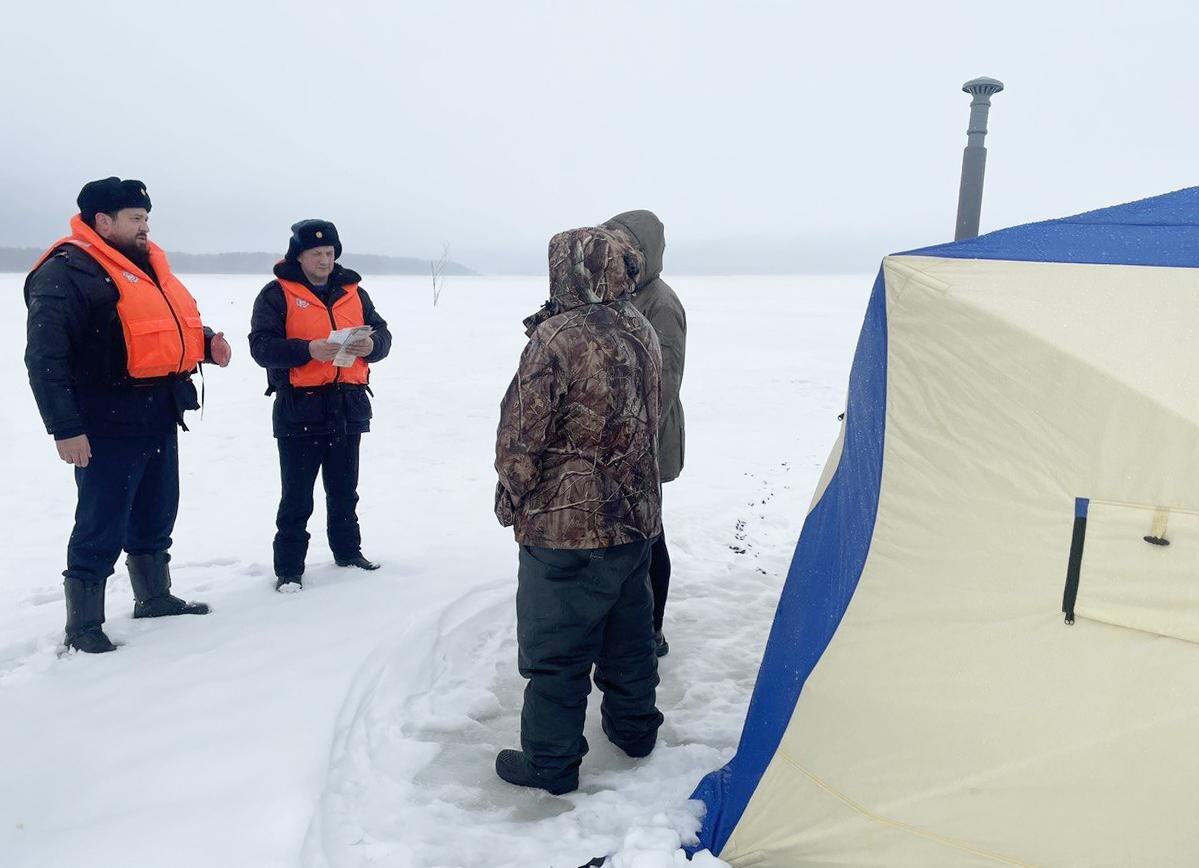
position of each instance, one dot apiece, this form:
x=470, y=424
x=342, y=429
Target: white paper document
x=342, y=337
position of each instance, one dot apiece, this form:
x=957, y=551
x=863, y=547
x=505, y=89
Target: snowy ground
x=356, y=723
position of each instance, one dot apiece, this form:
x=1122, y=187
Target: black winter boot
x=289, y=584
x=357, y=561
x=513, y=766
x=150, y=576
x=638, y=749
x=85, y=614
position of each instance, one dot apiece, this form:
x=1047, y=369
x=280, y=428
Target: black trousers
x=335, y=457
x=128, y=497
x=659, y=578
x=576, y=608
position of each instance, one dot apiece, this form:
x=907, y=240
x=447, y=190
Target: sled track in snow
x=416, y=739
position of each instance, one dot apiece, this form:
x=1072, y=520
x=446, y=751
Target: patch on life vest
x=132, y=278
x=301, y=303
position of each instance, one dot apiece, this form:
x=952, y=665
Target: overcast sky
x=491, y=125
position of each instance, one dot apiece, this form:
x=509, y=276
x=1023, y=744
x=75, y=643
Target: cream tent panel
x=954, y=719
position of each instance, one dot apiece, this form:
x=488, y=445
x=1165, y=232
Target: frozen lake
x=355, y=724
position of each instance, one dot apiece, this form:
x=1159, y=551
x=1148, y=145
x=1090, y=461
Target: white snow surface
x=356, y=723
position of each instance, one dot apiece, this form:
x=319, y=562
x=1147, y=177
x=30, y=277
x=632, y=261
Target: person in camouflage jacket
x=577, y=458
x=577, y=449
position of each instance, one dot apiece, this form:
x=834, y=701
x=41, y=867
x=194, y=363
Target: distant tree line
x=20, y=259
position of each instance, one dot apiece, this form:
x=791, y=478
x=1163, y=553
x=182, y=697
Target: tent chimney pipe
x=974, y=158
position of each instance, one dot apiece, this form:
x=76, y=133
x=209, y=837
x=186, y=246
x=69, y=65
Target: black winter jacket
x=76, y=358
x=338, y=408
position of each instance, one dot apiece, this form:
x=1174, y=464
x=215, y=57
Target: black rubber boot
x=150, y=576
x=85, y=615
x=289, y=584
x=357, y=561
x=513, y=767
x=639, y=749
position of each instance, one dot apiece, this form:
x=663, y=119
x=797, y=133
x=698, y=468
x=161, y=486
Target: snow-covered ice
x=356, y=723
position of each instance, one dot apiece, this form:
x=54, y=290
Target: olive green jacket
x=659, y=304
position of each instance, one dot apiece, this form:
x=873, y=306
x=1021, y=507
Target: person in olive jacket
x=660, y=305
x=322, y=407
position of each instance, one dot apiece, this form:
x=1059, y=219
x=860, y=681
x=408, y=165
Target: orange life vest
x=160, y=321
x=309, y=319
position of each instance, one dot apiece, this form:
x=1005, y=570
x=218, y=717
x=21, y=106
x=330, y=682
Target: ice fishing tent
x=1021, y=438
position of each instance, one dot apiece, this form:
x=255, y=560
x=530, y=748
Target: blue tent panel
x=828, y=561
x=1162, y=230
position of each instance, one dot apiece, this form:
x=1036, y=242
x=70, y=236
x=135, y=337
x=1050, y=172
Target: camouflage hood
x=645, y=233
x=587, y=266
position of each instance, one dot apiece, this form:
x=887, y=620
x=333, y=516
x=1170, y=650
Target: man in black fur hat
x=113, y=339
x=316, y=332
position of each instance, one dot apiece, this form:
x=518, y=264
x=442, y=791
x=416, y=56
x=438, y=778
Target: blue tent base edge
x=824, y=572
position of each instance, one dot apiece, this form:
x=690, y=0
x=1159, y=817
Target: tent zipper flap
x=1074, y=566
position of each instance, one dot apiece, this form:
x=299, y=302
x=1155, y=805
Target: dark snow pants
x=576, y=608
x=659, y=578
x=128, y=497
x=335, y=457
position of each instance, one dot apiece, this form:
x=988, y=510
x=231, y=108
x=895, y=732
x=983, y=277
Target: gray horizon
x=801, y=139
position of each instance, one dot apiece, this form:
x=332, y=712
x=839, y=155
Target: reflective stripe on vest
x=160, y=321
x=308, y=319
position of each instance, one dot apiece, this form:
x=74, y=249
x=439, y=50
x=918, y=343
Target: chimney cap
x=982, y=86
